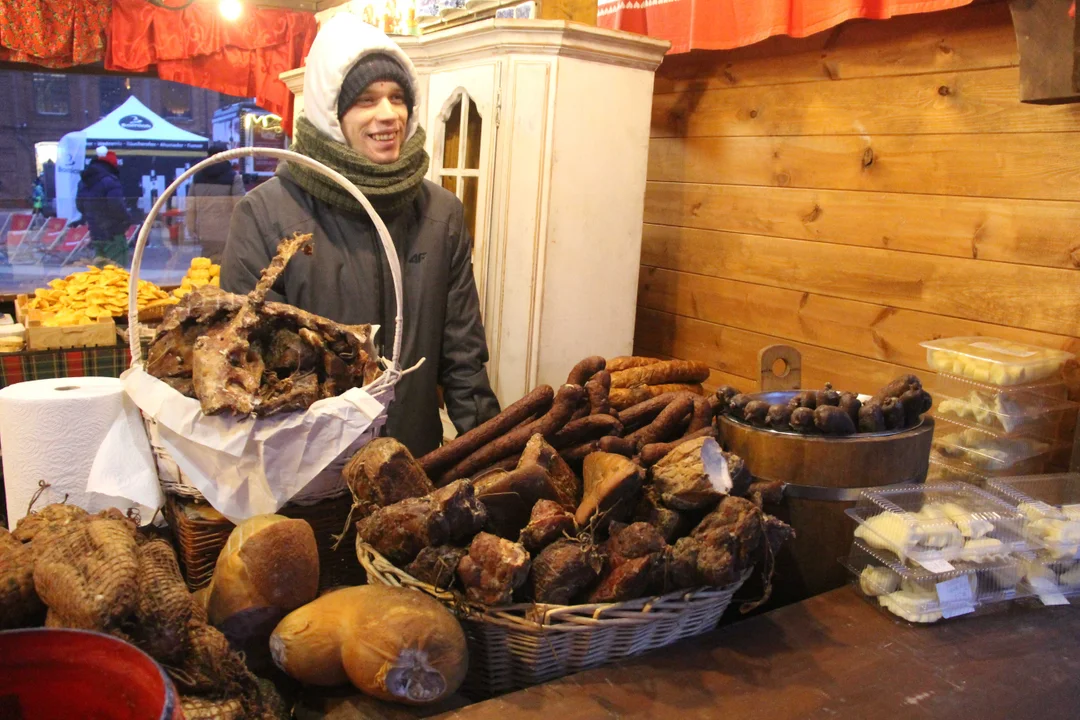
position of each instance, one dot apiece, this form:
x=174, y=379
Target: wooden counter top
x=833, y=656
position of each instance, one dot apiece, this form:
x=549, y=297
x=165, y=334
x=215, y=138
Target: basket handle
x=144, y=233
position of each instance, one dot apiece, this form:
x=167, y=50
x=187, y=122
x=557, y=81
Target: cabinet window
x=460, y=165
x=176, y=101
x=51, y=95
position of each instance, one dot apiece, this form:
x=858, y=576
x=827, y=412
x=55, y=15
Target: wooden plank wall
x=855, y=193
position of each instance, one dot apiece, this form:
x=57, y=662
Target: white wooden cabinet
x=557, y=181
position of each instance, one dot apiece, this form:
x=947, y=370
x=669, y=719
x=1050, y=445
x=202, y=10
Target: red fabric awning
x=197, y=46
x=53, y=33
x=722, y=24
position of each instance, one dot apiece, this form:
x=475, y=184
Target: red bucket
x=54, y=674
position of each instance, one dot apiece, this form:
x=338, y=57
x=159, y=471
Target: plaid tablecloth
x=78, y=362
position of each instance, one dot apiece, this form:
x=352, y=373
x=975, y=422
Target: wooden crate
x=40, y=337
x=21, y=301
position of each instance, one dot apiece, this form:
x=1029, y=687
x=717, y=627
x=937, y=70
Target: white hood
x=342, y=41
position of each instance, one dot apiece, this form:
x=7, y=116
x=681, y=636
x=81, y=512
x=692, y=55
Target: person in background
x=360, y=119
x=100, y=200
x=37, y=196
x=215, y=191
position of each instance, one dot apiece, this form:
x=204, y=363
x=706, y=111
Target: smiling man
x=360, y=119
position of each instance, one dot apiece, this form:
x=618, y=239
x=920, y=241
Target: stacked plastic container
x=928, y=552
x=1000, y=409
x=923, y=553
x=1049, y=506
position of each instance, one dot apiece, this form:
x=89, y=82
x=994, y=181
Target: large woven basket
x=201, y=532
x=328, y=483
x=518, y=646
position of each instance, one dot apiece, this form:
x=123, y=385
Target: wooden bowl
x=823, y=477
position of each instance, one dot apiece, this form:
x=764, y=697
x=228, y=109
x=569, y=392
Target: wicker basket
x=201, y=532
x=328, y=484
x=518, y=646
x=155, y=313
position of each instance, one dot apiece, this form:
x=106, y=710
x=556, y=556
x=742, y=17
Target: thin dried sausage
x=462, y=446
x=584, y=370
x=668, y=371
x=514, y=441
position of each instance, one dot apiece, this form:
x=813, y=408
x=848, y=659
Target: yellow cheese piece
x=1038, y=510
x=875, y=580
x=1061, y=537
x=969, y=524
x=913, y=607
x=983, y=549
x=902, y=533
x=888, y=531
x=935, y=529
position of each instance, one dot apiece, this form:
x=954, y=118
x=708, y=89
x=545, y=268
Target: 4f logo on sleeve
x=417, y=257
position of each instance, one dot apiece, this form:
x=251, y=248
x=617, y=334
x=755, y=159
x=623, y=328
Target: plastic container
x=989, y=453
x=923, y=596
x=958, y=386
x=933, y=525
x=12, y=337
x=994, y=361
x=1052, y=580
x=944, y=471
x=1039, y=410
x=1050, y=508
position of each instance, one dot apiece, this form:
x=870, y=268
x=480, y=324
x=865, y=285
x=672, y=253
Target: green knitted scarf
x=390, y=188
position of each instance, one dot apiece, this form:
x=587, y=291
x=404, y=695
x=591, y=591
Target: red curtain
x=53, y=33
x=721, y=24
x=197, y=46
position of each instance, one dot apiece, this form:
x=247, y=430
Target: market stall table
x=831, y=656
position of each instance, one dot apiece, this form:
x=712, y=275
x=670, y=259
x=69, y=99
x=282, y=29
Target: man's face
x=375, y=124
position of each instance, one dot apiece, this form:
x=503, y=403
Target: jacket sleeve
x=246, y=251
x=237, y=189
x=462, y=373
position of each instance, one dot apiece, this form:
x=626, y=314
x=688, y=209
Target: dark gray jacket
x=213, y=196
x=347, y=279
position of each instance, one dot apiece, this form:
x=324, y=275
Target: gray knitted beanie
x=369, y=69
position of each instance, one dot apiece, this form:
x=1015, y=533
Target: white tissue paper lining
x=124, y=464
x=248, y=466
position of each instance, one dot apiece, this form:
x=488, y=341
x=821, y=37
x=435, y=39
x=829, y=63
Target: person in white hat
x=360, y=119
x=100, y=201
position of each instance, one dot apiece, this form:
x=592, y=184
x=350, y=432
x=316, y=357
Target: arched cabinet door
x=462, y=107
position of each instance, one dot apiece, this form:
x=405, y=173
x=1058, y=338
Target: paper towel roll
x=51, y=430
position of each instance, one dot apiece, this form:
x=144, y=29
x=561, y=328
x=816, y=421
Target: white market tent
x=131, y=131
x=135, y=126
